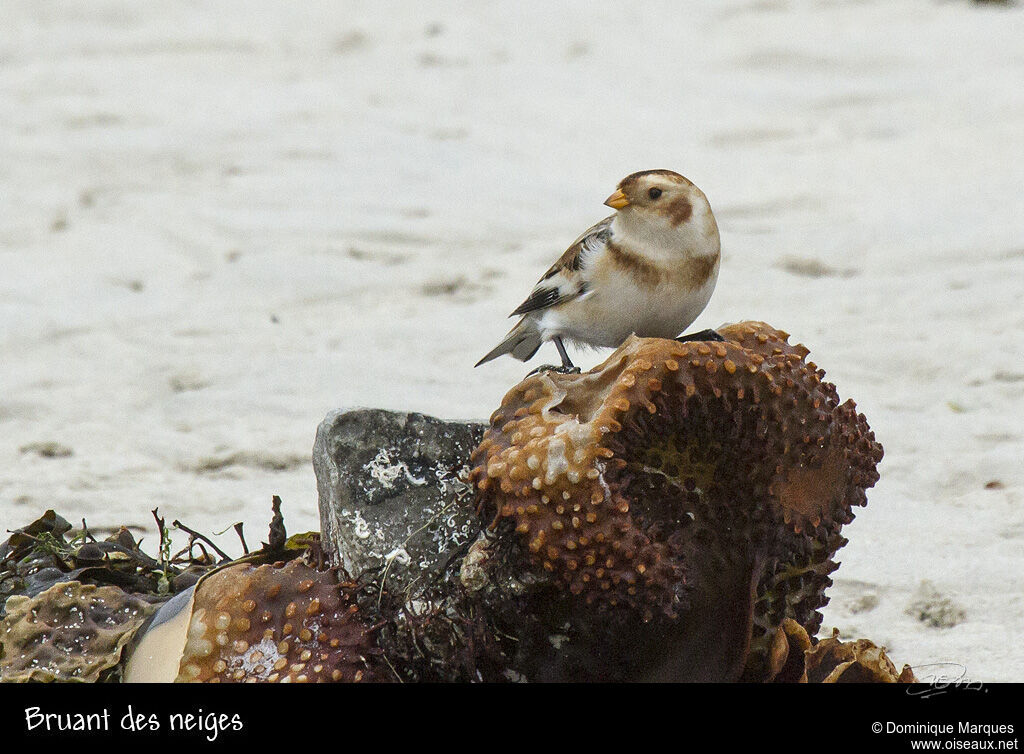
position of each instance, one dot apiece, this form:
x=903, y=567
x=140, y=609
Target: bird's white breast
x=618, y=304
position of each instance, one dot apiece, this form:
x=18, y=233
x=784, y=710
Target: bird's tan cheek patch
x=679, y=210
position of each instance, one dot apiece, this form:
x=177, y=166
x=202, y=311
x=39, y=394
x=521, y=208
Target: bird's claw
x=553, y=368
x=703, y=335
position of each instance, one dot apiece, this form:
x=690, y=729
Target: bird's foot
x=556, y=369
x=702, y=335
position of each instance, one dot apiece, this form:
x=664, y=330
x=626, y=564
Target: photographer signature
x=944, y=676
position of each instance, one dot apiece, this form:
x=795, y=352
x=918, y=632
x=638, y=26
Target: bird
x=649, y=269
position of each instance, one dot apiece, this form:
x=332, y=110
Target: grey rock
x=392, y=499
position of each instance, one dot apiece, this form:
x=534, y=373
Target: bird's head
x=664, y=203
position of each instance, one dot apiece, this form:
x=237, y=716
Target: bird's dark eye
x=654, y=193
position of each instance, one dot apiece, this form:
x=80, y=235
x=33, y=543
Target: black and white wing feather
x=562, y=282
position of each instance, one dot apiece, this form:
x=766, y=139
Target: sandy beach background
x=220, y=221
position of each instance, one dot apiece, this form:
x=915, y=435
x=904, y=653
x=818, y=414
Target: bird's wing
x=563, y=281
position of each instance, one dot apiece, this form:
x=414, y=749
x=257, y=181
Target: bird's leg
x=567, y=366
x=566, y=363
x=702, y=335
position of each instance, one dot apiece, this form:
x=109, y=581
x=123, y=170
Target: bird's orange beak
x=617, y=200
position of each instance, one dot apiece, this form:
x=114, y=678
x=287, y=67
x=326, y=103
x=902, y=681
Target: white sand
x=216, y=225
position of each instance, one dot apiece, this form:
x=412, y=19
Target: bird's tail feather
x=522, y=342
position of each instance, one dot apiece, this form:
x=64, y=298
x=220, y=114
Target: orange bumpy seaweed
x=280, y=623
x=672, y=463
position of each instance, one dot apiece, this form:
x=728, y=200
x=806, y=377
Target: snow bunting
x=649, y=269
